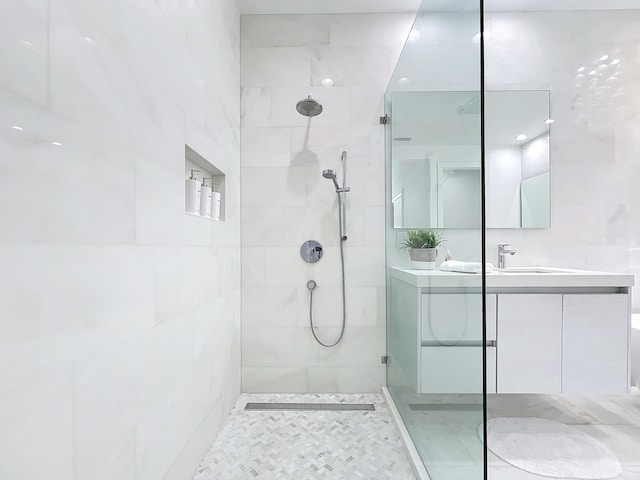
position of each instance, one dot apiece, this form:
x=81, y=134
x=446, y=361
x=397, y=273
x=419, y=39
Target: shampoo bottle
x=205, y=198
x=191, y=188
x=215, y=200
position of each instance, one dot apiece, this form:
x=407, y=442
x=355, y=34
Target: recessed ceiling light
x=327, y=82
x=603, y=58
x=18, y=127
x=549, y=121
x=521, y=137
x=592, y=72
x=27, y=43
x=404, y=81
x=581, y=69
x=57, y=144
x=615, y=61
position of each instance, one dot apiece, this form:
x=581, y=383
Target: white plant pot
x=423, y=258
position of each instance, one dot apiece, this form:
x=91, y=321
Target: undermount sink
x=528, y=270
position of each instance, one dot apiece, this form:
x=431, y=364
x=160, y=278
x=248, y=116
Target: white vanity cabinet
x=563, y=343
x=451, y=342
x=595, y=344
x=562, y=332
x=530, y=343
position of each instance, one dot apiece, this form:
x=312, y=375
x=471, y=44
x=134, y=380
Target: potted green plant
x=422, y=247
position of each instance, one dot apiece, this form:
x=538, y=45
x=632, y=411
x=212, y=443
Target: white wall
x=594, y=142
x=285, y=200
x=119, y=314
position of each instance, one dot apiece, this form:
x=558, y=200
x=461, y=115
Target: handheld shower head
x=331, y=175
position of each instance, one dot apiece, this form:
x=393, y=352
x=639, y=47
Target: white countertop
x=516, y=277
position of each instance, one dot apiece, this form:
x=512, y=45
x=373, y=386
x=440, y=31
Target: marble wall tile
x=253, y=267
x=366, y=107
x=272, y=306
x=266, y=147
x=360, y=347
x=60, y=299
x=274, y=379
x=262, y=346
x=261, y=67
x=173, y=265
x=322, y=146
x=23, y=36
x=88, y=84
x=284, y=267
x=160, y=216
x=370, y=29
x=162, y=435
x=185, y=464
x=38, y=421
x=176, y=71
x=92, y=202
x=273, y=187
x=285, y=30
x=113, y=392
x=255, y=107
x=349, y=66
x=285, y=204
x=350, y=379
x=124, y=312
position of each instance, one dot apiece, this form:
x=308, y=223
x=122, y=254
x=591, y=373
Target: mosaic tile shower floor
x=307, y=445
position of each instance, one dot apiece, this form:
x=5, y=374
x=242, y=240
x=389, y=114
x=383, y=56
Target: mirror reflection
x=436, y=159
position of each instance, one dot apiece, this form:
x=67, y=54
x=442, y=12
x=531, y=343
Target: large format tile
x=274, y=379
x=340, y=379
x=38, y=423
x=102, y=290
x=91, y=200
x=276, y=67
x=117, y=388
x=278, y=347
x=24, y=49
x=285, y=30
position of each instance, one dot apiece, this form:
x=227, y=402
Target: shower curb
x=414, y=457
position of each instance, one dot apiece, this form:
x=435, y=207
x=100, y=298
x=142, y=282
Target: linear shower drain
x=310, y=406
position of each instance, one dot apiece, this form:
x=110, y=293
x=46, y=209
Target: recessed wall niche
x=213, y=206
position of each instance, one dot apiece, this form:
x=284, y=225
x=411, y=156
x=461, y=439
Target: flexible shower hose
x=343, y=238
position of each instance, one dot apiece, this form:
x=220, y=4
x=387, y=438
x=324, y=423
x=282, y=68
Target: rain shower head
x=309, y=107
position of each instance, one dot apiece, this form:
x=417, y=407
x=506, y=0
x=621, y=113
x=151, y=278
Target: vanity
x=548, y=331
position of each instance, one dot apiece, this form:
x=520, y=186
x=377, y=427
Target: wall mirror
x=436, y=159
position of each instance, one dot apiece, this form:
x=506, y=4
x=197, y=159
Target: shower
x=309, y=107
x=341, y=191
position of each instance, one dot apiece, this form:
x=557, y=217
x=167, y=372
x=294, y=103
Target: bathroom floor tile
x=307, y=445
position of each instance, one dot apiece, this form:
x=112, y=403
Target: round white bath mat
x=550, y=449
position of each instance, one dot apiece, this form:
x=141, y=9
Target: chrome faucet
x=502, y=252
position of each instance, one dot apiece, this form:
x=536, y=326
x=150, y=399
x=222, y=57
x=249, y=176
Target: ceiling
x=383, y=6
x=326, y=6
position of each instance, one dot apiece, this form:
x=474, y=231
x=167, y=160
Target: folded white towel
x=464, y=267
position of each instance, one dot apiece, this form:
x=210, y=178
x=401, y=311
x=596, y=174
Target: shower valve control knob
x=311, y=251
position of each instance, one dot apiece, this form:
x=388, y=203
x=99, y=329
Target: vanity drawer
x=456, y=370
x=455, y=317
